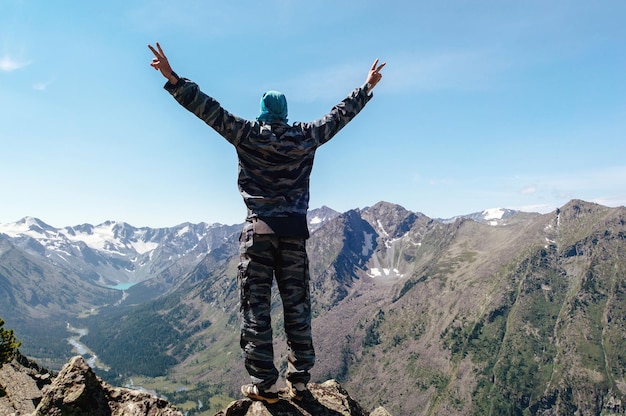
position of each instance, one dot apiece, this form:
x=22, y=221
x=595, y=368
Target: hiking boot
x=297, y=390
x=253, y=392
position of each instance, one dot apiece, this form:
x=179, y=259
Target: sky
x=482, y=104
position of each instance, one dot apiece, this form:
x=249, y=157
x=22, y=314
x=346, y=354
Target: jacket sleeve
x=325, y=128
x=206, y=108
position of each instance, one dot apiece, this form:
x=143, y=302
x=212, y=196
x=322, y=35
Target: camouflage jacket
x=275, y=161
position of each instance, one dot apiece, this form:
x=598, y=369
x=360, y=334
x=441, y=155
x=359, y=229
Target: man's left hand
x=374, y=75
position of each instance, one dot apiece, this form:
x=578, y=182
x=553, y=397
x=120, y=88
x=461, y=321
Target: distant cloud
x=42, y=86
x=616, y=201
x=439, y=182
x=602, y=185
x=465, y=70
x=8, y=63
x=609, y=177
x=540, y=208
x=457, y=70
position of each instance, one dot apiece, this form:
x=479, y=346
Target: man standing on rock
x=275, y=162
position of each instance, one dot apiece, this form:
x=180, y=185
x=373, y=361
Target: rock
x=20, y=383
x=21, y=390
x=30, y=390
x=380, y=411
x=327, y=399
x=77, y=391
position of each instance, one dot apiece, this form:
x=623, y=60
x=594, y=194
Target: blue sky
x=483, y=104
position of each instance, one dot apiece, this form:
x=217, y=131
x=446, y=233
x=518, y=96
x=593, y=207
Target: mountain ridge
x=465, y=316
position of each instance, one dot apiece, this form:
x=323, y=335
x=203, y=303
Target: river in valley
x=82, y=349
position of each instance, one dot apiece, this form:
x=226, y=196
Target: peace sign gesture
x=160, y=63
x=374, y=75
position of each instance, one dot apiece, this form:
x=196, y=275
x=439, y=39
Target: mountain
x=492, y=216
x=37, y=297
x=114, y=253
x=507, y=313
x=50, y=276
x=317, y=217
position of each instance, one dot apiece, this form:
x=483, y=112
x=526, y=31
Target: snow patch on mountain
x=491, y=216
x=494, y=214
x=381, y=228
x=316, y=220
x=383, y=272
x=104, y=237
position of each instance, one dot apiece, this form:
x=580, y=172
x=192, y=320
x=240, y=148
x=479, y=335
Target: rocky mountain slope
x=504, y=313
x=29, y=390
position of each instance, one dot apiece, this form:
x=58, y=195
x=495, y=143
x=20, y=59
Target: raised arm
x=160, y=63
x=188, y=94
x=341, y=114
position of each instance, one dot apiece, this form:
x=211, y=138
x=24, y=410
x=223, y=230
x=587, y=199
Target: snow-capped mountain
x=317, y=217
x=115, y=252
x=492, y=216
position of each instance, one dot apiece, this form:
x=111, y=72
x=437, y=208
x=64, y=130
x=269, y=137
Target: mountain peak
x=494, y=213
x=27, y=225
x=389, y=220
x=491, y=216
x=317, y=217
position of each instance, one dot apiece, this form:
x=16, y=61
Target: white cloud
x=602, y=178
x=465, y=70
x=42, y=86
x=8, y=63
x=603, y=185
x=540, y=208
x=458, y=70
x=611, y=201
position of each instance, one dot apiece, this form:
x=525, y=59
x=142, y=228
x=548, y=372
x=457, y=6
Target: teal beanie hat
x=273, y=107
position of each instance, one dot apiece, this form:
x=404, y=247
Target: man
x=275, y=162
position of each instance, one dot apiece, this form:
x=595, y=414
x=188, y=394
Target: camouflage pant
x=262, y=257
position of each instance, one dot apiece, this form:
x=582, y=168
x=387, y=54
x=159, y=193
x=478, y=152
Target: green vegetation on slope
x=8, y=344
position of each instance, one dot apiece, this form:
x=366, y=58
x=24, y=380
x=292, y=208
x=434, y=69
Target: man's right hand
x=160, y=63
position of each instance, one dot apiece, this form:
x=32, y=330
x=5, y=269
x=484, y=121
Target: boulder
x=326, y=399
x=77, y=391
x=21, y=382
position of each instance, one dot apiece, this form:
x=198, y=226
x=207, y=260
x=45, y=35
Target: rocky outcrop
x=21, y=382
x=326, y=399
x=78, y=391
